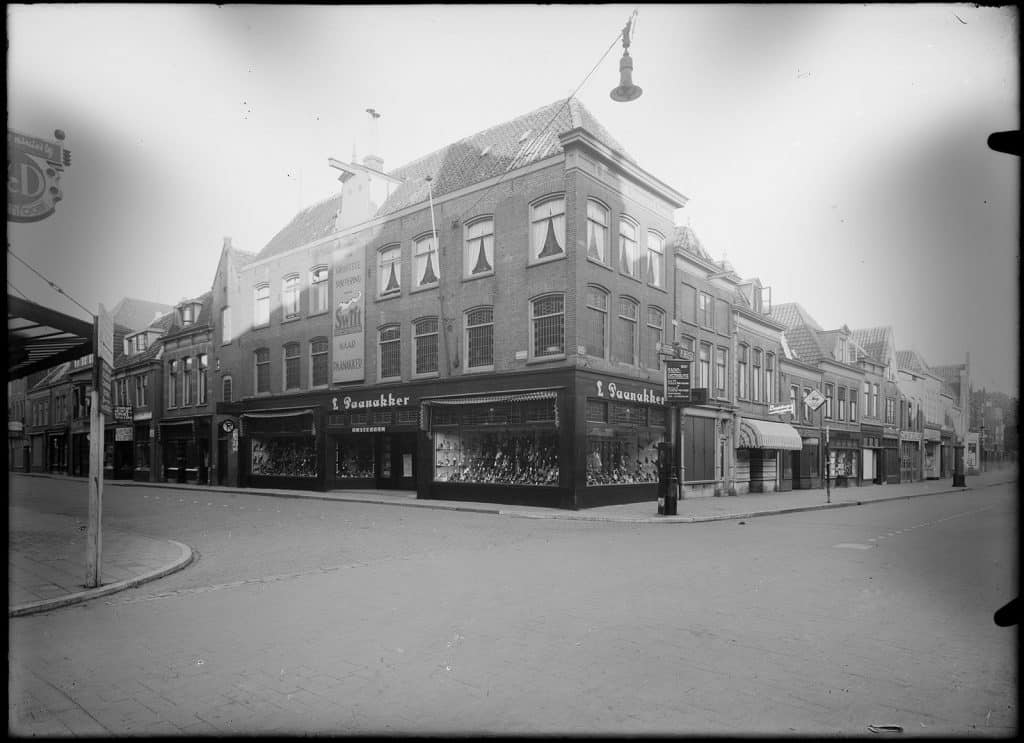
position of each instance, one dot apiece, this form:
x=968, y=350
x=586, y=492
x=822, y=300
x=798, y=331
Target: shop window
x=623, y=456
x=597, y=231
x=547, y=230
x=142, y=447
x=629, y=249
x=624, y=341
x=262, y=361
x=355, y=457
x=655, y=337
x=381, y=418
x=318, y=361
x=480, y=338
x=291, y=366
x=595, y=328
x=203, y=377
x=425, y=345
x=624, y=413
x=478, y=248
x=360, y=419
x=502, y=457
x=547, y=325
x=284, y=456
x=390, y=351
x=409, y=417
x=226, y=389
x=444, y=417
x=290, y=296
x=389, y=270
x=261, y=312
x=318, y=290
x=655, y=259
x=657, y=417
x=425, y=266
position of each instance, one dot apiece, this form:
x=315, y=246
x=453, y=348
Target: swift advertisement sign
x=349, y=290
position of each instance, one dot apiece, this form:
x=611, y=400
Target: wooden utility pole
x=99, y=401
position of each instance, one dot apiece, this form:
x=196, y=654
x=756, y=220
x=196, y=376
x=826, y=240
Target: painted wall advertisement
x=349, y=294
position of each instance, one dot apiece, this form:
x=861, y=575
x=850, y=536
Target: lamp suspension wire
x=629, y=23
x=52, y=284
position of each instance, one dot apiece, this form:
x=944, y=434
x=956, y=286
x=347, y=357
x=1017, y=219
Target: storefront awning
x=755, y=434
x=270, y=414
x=288, y=421
x=177, y=429
x=487, y=399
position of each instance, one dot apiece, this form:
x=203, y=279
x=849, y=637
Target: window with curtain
x=842, y=403
x=291, y=366
x=655, y=336
x=319, y=290
x=769, y=378
x=547, y=229
x=755, y=375
x=290, y=296
x=721, y=369
x=597, y=231
x=629, y=250
x=203, y=377
x=595, y=328
x=390, y=351
x=425, y=345
x=318, y=362
x=829, y=394
x=389, y=270
x=172, y=384
x=742, y=371
x=704, y=366
x=262, y=360
x=426, y=269
x=655, y=259
x=624, y=339
x=794, y=392
x=478, y=248
x=261, y=313
x=547, y=325
x=853, y=405
x=480, y=338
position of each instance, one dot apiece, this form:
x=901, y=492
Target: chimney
x=227, y=243
x=372, y=159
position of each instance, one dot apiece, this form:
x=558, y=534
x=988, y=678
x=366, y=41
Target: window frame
x=653, y=342
x=470, y=256
x=829, y=396
x=630, y=261
x=261, y=293
x=704, y=362
x=706, y=315
x=742, y=372
x=534, y=258
x=291, y=297
x=841, y=402
x=314, y=358
x=319, y=288
x=594, y=225
x=381, y=341
x=721, y=370
x=634, y=329
x=172, y=384
x=429, y=255
x=468, y=327
x=225, y=325
x=227, y=383
x=385, y=266
x=794, y=401
x=769, y=377
x=807, y=408
x=261, y=366
x=288, y=377
x=591, y=310
x=853, y=405
x=202, y=375
x=535, y=319
x=659, y=282
x=756, y=372
x=417, y=334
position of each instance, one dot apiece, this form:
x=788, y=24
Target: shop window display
x=497, y=457
x=290, y=457
x=354, y=457
x=625, y=457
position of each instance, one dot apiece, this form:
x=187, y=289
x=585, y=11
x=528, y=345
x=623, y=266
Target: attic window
x=189, y=311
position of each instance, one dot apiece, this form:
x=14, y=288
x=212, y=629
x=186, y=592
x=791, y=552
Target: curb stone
x=184, y=559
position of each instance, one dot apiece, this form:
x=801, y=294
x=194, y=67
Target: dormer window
x=189, y=312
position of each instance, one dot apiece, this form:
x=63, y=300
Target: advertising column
x=349, y=294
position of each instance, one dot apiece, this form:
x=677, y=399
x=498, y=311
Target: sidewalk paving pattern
x=46, y=552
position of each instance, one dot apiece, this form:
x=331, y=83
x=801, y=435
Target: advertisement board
x=677, y=380
x=348, y=299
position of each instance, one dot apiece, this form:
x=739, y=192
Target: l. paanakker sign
x=34, y=166
x=613, y=391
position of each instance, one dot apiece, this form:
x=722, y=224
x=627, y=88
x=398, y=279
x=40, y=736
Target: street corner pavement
x=47, y=561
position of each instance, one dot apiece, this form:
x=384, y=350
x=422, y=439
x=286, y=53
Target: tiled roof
x=912, y=361
x=136, y=314
x=487, y=154
x=792, y=314
x=684, y=238
x=876, y=342
x=803, y=340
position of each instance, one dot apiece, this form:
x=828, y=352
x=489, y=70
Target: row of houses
x=487, y=323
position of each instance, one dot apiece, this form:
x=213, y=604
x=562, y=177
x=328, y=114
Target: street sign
x=780, y=409
x=122, y=412
x=814, y=399
x=105, y=336
x=106, y=401
x=677, y=381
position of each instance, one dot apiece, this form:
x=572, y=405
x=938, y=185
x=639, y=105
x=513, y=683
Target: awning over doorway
x=755, y=434
x=484, y=400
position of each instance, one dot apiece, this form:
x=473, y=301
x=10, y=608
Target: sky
x=836, y=152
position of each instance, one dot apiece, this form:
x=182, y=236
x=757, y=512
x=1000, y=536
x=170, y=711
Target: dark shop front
x=372, y=439
x=185, y=450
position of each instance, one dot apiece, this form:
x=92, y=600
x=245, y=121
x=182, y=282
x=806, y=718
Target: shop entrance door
x=222, y=459
x=397, y=467
x=797, y=481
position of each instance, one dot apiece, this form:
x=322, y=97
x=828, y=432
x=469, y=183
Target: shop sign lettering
x=348, y=300
x=388, y=401
x=614, y=393
x=369, y=429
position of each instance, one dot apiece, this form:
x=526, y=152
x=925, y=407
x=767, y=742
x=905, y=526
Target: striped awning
x=488, y=399
x=755, y=434
x=269, y=414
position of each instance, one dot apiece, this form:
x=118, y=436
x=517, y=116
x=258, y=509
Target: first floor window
x=189, y=387
x=769, y=378
x=597, y=231
x=624, y=340
x=290, y=296
x=425, y=265
x=389, y=270
x=291, y=366
x=480, y=338
x=853, y=405
x=547, y=325
x=390, y=351
x=755, y=375
x=794, y=393
x=741, y=372
x=262, y=358
x=478, y=251
x=261, y=313
x=655, y=259
x=874, y=401
x=425, y=345
x=172, y=383
x=828, y=400
x=704, y=366
x=655, y=336
x=807, y=408
x=842, y=403
x=226, y=389
x=721, y=365
x=547, y=229
x=203, y=371
x=318, y=361
x=595, y=329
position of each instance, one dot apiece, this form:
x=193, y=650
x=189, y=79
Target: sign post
x=677, y=395
x=814, y=400
x=103, y=361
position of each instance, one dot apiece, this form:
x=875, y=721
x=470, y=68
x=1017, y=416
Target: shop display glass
x=623, y=457
x=843, y=463
x=284, y=457
x=504, y=457
x=354, y=457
